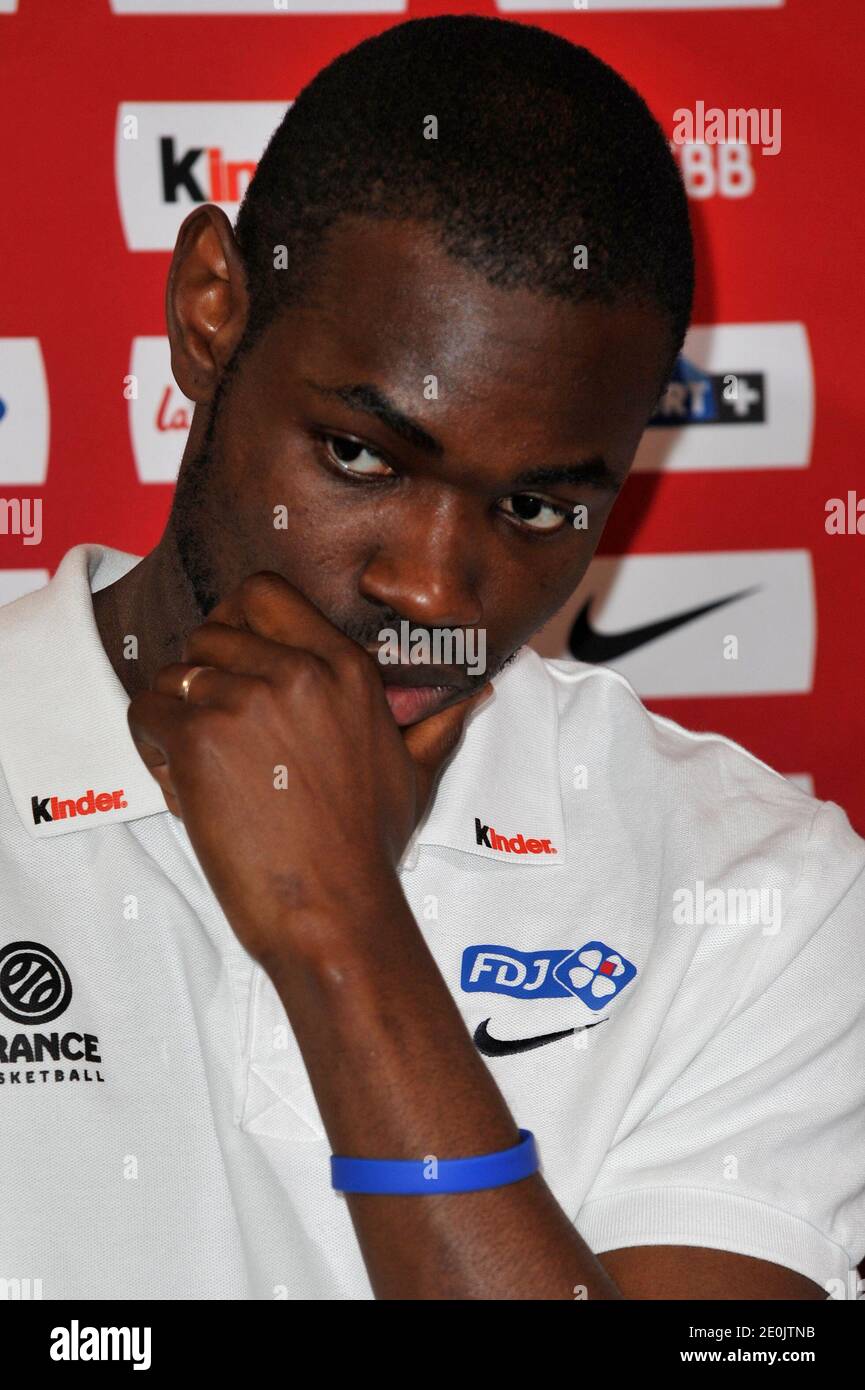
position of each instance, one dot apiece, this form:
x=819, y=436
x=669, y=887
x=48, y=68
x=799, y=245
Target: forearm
x=395, y=1075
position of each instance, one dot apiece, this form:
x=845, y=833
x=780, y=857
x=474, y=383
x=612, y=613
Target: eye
x=352, y=457
x=535, y=513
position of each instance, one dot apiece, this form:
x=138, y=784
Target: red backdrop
x=786, y=253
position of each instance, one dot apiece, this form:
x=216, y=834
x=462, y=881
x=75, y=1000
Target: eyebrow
x=371, y=401
x=593, y=471
x=588, y=472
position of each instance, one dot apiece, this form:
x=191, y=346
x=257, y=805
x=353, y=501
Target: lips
x=411, y=703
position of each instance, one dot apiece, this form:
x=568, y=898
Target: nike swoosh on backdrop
x=585, y=644
x=498, y=1047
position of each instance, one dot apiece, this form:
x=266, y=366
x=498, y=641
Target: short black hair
x=540, y=147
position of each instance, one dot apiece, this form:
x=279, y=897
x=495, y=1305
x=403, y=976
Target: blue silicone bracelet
x=426, y=1177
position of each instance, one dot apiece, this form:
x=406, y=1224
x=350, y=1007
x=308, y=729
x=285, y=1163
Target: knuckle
x=207, y=728
x=250, y=697
x=301, y=672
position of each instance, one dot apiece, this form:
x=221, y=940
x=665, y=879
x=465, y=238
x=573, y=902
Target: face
x=409, y=446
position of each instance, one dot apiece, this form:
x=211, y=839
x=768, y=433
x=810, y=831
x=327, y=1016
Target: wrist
x=342, y=929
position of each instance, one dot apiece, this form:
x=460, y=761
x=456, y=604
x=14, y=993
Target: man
x=271, y=900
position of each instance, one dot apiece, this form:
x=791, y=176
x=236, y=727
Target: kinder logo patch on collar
x=594, y=973
x=517, y=844
x=52, y=808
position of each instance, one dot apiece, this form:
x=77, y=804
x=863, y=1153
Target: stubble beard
x=192, y=523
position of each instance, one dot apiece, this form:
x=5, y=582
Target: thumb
x=431, y=742
x=141, y=716
x=157, y=765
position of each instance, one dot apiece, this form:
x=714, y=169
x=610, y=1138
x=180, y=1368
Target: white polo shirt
x=585, y=862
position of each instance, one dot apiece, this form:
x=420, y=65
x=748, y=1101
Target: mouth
x=409, y=704
x=412, y=700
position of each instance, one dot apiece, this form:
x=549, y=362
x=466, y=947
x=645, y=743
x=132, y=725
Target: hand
x=297, y=788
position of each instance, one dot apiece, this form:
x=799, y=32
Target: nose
x=426, y=569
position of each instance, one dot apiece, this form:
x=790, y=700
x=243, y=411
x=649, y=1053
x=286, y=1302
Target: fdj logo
x=594, y=973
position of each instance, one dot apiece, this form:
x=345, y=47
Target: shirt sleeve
x=758, y=1147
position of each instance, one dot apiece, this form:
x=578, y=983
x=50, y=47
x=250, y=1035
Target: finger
x=266, y=604
x=210, y=686
x=153, y=719
x=237, y=652
x=163, y=778
x=155, y=723
x=432, y=741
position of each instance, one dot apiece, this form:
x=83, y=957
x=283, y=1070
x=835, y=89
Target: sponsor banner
x=24, y=416
x=172, y=156
x=256, y=7
x=742, y=396
x=159, y=414
x=16, y=583
x=722, y=623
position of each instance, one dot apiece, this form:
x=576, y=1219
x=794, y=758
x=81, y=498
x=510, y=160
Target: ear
x=206, y=301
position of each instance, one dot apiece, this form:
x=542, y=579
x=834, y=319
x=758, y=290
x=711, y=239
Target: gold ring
x=190, y=677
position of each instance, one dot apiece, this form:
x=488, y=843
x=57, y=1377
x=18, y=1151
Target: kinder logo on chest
x=517, y=844
x=593, y=973
x=52, y=808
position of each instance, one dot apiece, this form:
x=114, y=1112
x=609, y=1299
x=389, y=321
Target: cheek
x=554, y=589
x=320, y=549
x=552, y=581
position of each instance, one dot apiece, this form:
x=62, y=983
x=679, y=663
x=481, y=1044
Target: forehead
x=387, y=305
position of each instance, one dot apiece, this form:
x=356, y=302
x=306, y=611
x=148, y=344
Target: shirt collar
x=64, y=736
x=500, y=796
x=63, y=731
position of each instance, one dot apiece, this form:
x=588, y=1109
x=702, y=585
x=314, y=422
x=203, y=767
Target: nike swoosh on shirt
x=585, y=644
x=500, y=1047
